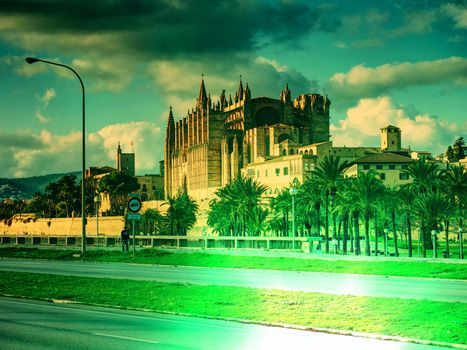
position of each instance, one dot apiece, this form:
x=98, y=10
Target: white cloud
x=42, y=118
x=363, y=81
x=457, y=13
x=362, y=126
x=28, y=153
x=49, y=94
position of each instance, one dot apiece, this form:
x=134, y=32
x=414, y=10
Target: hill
x=26, y=187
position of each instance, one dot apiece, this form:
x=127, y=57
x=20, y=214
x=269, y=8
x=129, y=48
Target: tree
x=426, y=179
x=181, y=213
x=455, y=180
x=406, y=196
x=431, y=207
x=450, y=154
x=364, y=194
x=151, y=221
x=238, y=207
x=329, y=173
x=118, y=185
x=458, y=149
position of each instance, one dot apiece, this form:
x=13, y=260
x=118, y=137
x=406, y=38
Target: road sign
x=134, y=204
x=133, y=216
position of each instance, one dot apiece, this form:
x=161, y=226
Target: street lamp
x=97, y=201
x=32, y=60
x=433, y=236
x=293, y=192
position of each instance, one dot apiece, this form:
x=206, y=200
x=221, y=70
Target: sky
x=395, y=62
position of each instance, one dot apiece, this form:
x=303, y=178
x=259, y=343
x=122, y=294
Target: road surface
x=34, y=325
x=379, y=286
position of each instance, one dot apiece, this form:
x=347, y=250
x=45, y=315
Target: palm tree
x=241, y=202
x=406, y=196
x=426, y=178
x=309, y=198
x=329, y=173
x=455, y=180
x=431, y=207
x=365, y=192
x=181, y=213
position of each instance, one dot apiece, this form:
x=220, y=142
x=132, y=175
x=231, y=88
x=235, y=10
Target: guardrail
x=201, y=242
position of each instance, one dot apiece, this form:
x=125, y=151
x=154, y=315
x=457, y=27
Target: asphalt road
x=34, y=325
x=380, y=286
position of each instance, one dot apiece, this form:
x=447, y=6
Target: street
x=36, y=325
x=359, y=285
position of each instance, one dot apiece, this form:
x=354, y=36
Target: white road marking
x=127, y=338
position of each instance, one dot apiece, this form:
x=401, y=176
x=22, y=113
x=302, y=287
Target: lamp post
x=293, y=192
x=32, y=60
x=433, y=236
x=97, y=201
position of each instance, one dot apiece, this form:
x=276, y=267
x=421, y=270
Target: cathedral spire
x=285, y=94
x=247, y=92
x=202, y=97
x=240, y=90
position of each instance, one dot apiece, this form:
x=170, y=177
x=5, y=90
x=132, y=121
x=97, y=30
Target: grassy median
x=428, y=320
x=163, y=257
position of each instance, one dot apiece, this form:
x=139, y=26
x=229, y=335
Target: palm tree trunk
x=422, y=237
x=409, y=234
x=339, y=227
x=318, y=220
x=461, y=246
x=326, y=225
x=446, y=231
x=345, y=220
x=376, y=234
x=357, y=234
x=351, y=234
x=367, y=234
x=393, y=218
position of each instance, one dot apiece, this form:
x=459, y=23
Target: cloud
x=420, y=131
x=159, y=28
x=363, y=81
x=48, y=95
x=458, y=13
x=180, y=80
x=42, y=118
x=27, y=153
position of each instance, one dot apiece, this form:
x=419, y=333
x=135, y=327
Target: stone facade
x=210, y=146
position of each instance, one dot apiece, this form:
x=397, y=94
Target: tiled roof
x=384, y=158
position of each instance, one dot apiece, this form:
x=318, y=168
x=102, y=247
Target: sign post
x=134, y=206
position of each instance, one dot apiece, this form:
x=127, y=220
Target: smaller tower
x=391, y=139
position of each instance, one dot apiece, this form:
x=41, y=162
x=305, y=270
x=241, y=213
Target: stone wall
x=109, y=225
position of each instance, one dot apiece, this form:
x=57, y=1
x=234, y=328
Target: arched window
x=292, y=152
x=284, y=152
x=306, y=152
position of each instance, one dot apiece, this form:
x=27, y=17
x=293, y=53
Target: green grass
x=162, y=257
x=420, y=319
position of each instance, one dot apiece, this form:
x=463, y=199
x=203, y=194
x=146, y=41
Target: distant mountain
x=26, y=187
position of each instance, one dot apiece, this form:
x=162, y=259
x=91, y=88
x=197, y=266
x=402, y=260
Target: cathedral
x=218, y=140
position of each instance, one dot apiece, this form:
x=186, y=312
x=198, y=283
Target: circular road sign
x=134, y=204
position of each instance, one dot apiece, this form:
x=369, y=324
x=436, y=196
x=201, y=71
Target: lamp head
x=31, y=60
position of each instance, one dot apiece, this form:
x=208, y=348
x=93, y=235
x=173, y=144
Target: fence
x=201, y=242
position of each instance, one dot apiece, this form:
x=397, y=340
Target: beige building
x=390, y=168
x=211, y=145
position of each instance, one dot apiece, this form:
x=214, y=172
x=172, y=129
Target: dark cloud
x=20, y=141
x=162, y=28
